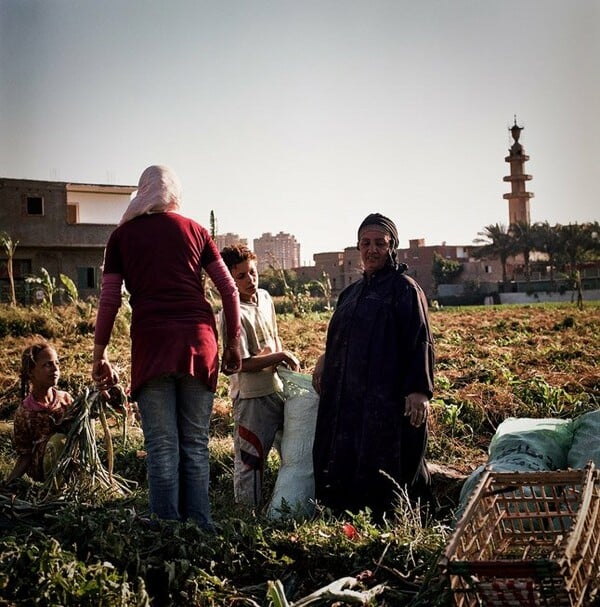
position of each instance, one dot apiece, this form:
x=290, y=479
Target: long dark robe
x=379, y=349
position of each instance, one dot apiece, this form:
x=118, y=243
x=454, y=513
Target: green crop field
x=84, y=549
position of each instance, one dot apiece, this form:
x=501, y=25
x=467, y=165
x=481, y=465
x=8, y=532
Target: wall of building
x=281, y=250
x=41, y=230
x=547, y=297
x=226, y=240
x=51, y=228
x=345, y=267
x=47, y=239
x=332, y=264
x=352, y=269
x=99, y=208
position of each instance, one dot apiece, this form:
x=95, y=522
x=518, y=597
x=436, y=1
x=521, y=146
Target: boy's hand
x=289, y=359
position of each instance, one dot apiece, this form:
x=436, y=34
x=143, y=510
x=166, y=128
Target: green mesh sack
x=532, y=444
x=586, y=441
x=523, y=445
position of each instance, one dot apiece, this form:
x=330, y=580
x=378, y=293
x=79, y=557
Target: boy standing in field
x=256, y=390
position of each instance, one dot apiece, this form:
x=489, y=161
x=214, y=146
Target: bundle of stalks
x=12, y=508
x=79, y=472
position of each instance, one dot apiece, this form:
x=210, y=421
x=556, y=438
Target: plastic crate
x=527, y=539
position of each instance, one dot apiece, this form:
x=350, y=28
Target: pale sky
x=304, y=116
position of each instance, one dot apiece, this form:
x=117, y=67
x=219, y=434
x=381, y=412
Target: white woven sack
x=294, y=490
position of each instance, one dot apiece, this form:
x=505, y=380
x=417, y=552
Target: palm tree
x=579, y=242
x=524, y=241
x=593, y=231
x=548, y=242
x=496, y=241
x=9, y=245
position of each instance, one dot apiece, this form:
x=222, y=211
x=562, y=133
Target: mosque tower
x=518, y=199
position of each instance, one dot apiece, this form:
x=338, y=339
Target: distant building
x=353, y=269
x=419, y=258
x=477, y=279
x=280, y=250
x=344, y=268
x=225, y=240
x=325, y=263
x=518, y=198
x=62, y=227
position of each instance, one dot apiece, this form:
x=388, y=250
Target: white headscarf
x=159, y=191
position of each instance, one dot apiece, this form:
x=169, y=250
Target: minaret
x=518, y=199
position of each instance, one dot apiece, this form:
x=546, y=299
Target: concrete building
x=62, y=227
x=280, y=250
x=474, y=273
x=325, y=263
x=344, y=268
x=225, y=240
x=341, y=267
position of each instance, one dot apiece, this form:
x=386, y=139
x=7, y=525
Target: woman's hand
x=317, y=373
x=417, y=408
x=104, y=375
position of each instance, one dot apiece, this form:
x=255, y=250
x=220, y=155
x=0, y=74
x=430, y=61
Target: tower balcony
x=518, y=177
x=517, y=158
x=518, y=195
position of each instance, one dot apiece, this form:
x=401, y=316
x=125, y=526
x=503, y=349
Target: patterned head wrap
x=377, y=220
x=158, y=191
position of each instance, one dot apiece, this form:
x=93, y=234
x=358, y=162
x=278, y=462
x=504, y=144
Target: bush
x=22, y=322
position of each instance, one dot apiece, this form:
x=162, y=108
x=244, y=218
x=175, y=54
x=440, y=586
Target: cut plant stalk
x=79, y=471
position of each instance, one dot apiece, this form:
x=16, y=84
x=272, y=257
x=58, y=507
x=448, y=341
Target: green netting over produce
x=586, y=441
x=524, y=445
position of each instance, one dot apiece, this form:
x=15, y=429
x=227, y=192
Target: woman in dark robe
x=375, y=380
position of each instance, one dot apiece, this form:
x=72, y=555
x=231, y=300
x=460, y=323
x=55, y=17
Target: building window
x=488, y=269
x=35, y=205
x=87, y=278
x=73, y=213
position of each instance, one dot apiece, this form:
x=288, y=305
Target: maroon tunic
x=160, y=257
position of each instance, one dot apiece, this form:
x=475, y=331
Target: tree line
x=565, y=248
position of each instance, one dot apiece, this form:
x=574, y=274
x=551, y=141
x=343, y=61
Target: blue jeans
x=175, y=411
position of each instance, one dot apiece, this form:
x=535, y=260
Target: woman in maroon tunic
x=375, y=381
x=159, y=255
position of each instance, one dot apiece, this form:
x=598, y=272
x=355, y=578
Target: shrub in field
x=22, y=322
x=36, y=570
